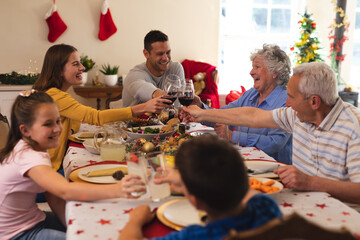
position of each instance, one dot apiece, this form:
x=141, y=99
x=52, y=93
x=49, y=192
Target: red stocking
x=107, y=25
x=55, y=23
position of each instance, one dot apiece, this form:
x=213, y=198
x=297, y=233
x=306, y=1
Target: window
x=246, y=26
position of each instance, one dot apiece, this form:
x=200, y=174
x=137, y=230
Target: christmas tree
x=308, y=45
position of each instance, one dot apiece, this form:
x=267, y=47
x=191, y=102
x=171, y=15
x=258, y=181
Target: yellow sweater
x=72, y=114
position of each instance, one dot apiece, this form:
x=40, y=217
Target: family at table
x=300, y=121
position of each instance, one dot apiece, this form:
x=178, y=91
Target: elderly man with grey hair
x=326, y=132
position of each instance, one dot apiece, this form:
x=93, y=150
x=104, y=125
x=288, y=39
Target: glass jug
x=111, y=145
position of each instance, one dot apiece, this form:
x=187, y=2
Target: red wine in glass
x=186, y=99
x=171, y=96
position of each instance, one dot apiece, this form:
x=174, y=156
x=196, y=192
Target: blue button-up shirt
x=274, y=142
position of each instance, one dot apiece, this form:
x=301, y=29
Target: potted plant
x=110, y=73
x=89, y=64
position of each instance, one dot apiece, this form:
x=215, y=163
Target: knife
x=264, y=169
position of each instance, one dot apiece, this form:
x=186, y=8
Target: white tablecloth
x=105, y=219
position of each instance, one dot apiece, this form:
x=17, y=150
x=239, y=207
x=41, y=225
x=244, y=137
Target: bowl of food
x=89, y=144
x=149, y=132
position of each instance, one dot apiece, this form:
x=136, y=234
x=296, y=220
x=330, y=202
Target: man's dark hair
x=213, y=171
x=154, y=36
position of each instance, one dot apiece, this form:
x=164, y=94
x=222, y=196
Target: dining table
x=105, y=219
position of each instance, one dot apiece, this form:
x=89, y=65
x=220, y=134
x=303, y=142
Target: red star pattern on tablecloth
x=345, y=213
x=321, y=205
x=78, y=204
x=68, y=165
x=285, y=204
x=70, y=221
x=246, y=154
x=310, y=215
x=79, y=232
x=127, y=211
x=103, y=222
x=92, y=162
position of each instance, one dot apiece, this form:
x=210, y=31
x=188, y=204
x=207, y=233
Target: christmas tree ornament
x=55, y=23
x=107, y=25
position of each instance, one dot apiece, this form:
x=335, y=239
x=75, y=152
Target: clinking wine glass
x=186, y=95
x=171, y=87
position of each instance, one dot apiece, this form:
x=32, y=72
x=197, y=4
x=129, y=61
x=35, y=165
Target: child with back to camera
x=211, y=174
x=25, y=170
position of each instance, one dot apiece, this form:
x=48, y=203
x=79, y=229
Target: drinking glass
x=171, y=87
x=137, y=165
x=155, y=160
x=186, y=95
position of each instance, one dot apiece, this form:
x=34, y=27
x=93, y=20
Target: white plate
x=182, y=213
x=276, y=183
x=253, y=164
x=149, y=136
x=102, y=179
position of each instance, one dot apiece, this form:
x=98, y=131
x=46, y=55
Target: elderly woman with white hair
x=271, y=72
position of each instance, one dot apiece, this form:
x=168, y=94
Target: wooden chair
x=4, y=130
x=291, y=227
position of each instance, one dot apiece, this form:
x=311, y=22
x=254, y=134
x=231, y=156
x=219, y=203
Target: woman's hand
x=223, y=131
x=155, y=105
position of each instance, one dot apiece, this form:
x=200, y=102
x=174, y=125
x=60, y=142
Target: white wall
x=192, y=26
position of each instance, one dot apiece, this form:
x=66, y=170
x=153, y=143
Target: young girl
x=25, y=170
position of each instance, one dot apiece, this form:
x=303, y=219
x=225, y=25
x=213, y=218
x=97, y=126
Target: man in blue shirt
x=211, y=174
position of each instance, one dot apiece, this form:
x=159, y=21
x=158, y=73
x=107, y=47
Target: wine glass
x=171, y=87
x=186, y=95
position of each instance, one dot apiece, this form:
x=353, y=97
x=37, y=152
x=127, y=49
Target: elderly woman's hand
x=223, y=131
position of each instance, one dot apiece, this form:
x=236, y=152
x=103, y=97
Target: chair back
x=192, y=67
x=291, y=227
x=4, y=131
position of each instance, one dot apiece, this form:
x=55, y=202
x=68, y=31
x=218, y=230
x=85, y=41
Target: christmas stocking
x=55, y=23
x=107, y=26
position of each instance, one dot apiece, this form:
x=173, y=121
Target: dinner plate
x=101, y=179
x=276, y=183
x=258, y=164
x=163, y=220
x=182, y=213
x=148, y=136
